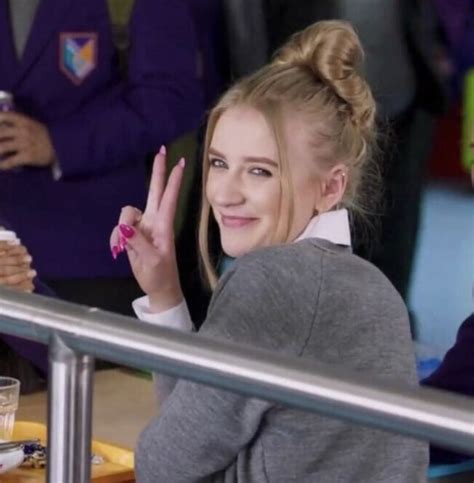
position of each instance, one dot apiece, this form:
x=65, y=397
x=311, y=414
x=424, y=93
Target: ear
x=333, y=186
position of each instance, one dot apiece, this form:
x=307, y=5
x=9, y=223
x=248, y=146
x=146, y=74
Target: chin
x=235, y=252
x=234, y=249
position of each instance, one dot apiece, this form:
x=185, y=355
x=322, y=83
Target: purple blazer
x=102, y=126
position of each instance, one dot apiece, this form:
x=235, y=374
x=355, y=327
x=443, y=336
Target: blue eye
x=216, y=163
x=261, y=172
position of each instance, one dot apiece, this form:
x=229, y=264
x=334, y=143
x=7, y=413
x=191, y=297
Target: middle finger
x=10, y=146
x=8, y=131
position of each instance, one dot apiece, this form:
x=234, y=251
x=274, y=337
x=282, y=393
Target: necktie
x=22, y=14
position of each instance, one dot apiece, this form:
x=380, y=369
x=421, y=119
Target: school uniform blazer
x=101, y=125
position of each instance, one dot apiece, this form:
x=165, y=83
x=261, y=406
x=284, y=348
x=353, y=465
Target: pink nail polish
x=115, y=252
x=126, y=230
x=163, y=149
x=122, y=244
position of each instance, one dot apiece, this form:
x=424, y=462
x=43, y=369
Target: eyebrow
x=247, y=159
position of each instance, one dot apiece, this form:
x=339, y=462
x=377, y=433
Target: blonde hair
x=315, y=74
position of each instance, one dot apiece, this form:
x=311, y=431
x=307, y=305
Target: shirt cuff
x=175, y=318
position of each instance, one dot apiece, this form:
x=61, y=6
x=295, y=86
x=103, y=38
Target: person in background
x=456, y=372
x=284, y=160
x=76, y=145
x=456, y=20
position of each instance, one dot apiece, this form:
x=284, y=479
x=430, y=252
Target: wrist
x=165, y=299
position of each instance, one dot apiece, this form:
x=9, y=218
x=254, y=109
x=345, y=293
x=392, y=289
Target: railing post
x=69, y=414
x=83, y=419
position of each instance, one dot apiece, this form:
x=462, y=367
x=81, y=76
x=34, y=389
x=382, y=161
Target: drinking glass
x=9, y=395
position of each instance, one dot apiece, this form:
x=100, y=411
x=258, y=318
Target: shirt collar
x=332, y=226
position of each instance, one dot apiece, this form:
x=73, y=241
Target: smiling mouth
x=236, y=221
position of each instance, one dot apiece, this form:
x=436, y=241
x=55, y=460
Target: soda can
x=7, y=104
x=6, y=101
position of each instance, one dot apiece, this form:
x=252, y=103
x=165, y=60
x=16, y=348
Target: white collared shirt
x=332, y=226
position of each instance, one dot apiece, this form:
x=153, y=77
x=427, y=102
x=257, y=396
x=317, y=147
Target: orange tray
x=117, y=467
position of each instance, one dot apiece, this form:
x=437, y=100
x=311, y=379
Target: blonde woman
x=286, y=155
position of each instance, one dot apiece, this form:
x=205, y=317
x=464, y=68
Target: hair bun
x=332, y=51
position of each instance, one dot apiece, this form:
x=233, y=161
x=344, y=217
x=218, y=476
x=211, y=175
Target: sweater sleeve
x=177, y=318
x=201, y=430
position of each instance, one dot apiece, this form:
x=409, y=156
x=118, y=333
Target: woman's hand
x=15, y=267
x=148, y=238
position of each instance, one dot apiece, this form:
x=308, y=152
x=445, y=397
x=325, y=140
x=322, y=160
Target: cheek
x=269, y=199
x=306, y=199
x=306, y=191
x=209, y=189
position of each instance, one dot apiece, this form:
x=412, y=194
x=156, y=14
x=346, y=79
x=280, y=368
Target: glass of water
x=9, y=395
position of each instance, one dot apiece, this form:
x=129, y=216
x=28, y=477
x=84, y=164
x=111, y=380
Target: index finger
x=11, y=117
x=157, y=183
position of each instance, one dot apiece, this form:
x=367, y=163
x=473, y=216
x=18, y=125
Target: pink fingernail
x=126, y=230
x=115, y=252
x=122, y=244
x=163, y=149
x=182, y=162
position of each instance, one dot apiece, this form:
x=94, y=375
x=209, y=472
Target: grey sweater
x=310, y=299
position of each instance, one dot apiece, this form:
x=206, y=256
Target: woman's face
x=244, y=182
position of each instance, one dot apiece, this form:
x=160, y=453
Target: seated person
x=456, y=373
x=286, y=155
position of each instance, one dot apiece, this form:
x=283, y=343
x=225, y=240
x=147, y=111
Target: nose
x=225, y=190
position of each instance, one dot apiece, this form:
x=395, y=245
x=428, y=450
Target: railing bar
x=429, y=414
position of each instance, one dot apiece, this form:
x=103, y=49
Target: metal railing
x=75, y=333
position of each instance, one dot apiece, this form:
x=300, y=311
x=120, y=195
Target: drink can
x=7, y=104
x=6, y=101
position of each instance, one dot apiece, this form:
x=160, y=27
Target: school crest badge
x=77, y=54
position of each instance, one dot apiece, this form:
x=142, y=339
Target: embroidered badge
x=77, y=54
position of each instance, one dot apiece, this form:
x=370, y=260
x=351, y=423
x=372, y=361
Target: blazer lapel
x=45, y=25
x=9, y=64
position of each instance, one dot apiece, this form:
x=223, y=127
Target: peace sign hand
x=149, y=238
